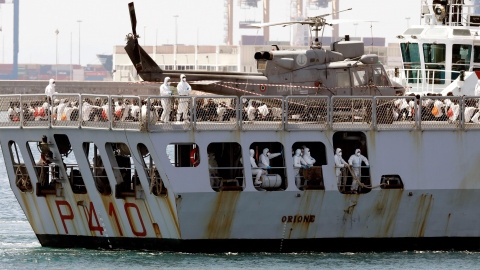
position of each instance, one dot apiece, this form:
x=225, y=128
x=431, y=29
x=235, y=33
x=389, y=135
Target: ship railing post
x=374, y=114
x=147, y=112
x=21, y=111
x=111, y=112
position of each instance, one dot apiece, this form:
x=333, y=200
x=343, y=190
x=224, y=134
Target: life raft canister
x=194, y=157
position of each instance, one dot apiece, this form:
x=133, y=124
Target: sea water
x=20, y=249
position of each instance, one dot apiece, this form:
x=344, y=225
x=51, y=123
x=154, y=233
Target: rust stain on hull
x=386, y=209
x=311, y=203
x=423, y=211
x=223, y=213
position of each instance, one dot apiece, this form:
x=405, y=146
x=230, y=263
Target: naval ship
x=110, y=172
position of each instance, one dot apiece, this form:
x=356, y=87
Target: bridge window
x=225, y=166
x=268, y=172
x=155, y=182
x=461, y=54
x=356, y=178
x=313, y=156
x=183, y=154
x=476, y=54
x=434, y=56
x=22, y=178
x=70, y=163
x=97, y=168
x=411, y=62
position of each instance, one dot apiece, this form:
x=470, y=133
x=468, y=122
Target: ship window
x=413, y=31
x=411, y=61
x=70, y=163
x=183, y=154
x=462, y=32
x=476, y=54
x=264, y=178
x=22, y=178
x=46, y=171
x=97, y=168
x=313, y=157
x=128, y=183
x=461, y=54
x=434, y=55
x=155, y=182
x=392, y=181
x=225, y=167
x=348, y=178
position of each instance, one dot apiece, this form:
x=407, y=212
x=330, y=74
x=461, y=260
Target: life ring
x=194, y=157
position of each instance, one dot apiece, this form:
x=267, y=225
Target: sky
x=105, y=23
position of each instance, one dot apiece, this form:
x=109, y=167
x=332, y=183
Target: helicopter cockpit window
x=379, y=76
x=359, y=77
x=343, y=78
x=461, y=54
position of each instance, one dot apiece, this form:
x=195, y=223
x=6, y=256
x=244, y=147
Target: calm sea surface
x=19, y=249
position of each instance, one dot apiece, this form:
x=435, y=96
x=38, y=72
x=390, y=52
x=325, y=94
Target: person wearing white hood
x=50, y=89
x=339, y=163
x=298, y=162
x=165, y=91
x=308, y=158
x=184, y=90
x=356, y=161
x=264, y=160
x=255, y=170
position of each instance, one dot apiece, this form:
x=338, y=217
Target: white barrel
x=271, y=181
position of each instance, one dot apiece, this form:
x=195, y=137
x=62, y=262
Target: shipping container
x=95, y=78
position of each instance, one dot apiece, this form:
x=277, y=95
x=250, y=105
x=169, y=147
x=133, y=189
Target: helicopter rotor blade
x=260, y=25
x=133, y=18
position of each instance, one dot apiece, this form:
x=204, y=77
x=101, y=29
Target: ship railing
x=171, y=113
x=471, y=113
x=245, y=113
x=125, y=112
x=95, y=111
x=11, y=111
x=346, y=180
x=262, y=113
x=36, y=111
x=307, y=112
x=424, y=80
x=352, y=113
x=66, y=109
x=215, y=113
x=439, y=113
x=234, y=182
x=395, y=113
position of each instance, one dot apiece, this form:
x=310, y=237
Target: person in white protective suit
x=184, y=90
x=339, y=163
x=308, y=158
x=50, y=89
x=255, y=170
x=212, y=169
x=356, y=162
x=165, y=91
x=298, y=162
x=264, y=160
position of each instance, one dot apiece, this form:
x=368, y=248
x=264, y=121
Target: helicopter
x=343, y=70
